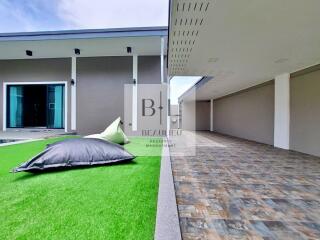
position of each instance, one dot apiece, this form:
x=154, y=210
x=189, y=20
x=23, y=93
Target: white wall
x=188, y=110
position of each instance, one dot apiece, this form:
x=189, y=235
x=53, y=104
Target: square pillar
x=162, y=59
x=135, y=93
x=211, y=115
x=282, y=111
x=73, y=93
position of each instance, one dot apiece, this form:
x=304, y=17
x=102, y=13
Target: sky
x=180, y=84
x=46, y=15
x=50, y=15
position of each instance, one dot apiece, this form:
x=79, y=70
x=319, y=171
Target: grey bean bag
x=76, y=152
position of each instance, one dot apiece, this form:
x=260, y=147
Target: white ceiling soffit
x=186, y=21
x=242, y=43
x=88, y=47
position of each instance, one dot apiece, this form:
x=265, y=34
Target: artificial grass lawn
x=107, y=202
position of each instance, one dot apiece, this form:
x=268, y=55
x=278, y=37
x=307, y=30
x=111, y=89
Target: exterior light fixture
x=29, y=53
x=129, y=49
x=77, y=51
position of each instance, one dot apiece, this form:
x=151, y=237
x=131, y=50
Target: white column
x=135, y=94
x=179, y=115
x=168, y=107
x=66, y=107
x=4, y=107
x=162, y=59
x=74, y=94
x=282, y=111
x=211, y=115
x=162, y=81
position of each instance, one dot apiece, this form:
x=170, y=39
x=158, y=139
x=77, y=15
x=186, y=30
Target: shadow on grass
x=36, y=173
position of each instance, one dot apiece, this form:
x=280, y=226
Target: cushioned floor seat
x=76, y=152
x=113, y=133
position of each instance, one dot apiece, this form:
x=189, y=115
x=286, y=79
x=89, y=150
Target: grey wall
x=195, y=115
x=149, y=71
x=100, y=86
x=202, y=115
x=248, y=114
x=305, y=113
x=100, y=93
x=34, y=70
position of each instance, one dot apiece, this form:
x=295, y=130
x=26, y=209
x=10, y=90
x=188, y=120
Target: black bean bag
x=75, y=153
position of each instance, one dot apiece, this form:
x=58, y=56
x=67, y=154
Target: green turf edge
x=114, y=202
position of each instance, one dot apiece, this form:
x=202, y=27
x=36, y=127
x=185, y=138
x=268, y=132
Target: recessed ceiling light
x=281, y=60
x=213, y=60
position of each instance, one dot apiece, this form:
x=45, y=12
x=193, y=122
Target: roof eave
x=202, y=81
x=85, y=34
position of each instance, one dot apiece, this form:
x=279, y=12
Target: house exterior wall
x=100, y=92
x=35, y=70
x=247, y=114
x=100, y=84
x=149, y=70
x=305, y=113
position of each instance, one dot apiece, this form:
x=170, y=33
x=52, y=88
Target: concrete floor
x=237, y=189
x=28, y=134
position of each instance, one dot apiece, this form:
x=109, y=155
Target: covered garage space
x=239, y=189
x=256, y=167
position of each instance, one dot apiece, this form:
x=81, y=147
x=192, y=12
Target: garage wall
x=34, y=70
x=202, y=116
x=188, y=111
x=305, y=113
x=248, y=114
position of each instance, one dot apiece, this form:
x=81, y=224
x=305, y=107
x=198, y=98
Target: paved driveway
x=237, y=189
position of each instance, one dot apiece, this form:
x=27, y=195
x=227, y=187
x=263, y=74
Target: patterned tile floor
x=237, y=189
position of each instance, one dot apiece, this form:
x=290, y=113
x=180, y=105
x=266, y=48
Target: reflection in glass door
x=55, y=110
x=15, y=103
x=35, y=106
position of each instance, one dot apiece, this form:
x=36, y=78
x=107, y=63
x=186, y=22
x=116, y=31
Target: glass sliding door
x=15, y=106
x=35, y=106
x=55, y=106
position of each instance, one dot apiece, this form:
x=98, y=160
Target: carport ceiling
x=242, y=43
